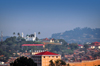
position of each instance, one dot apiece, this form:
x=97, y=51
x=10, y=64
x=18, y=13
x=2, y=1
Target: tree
x=13, y=33
x=57, y=62
x=23, y=61
x=51, y=63
x=86, y=46
x=68, y=64
x=62, y=62
x=39, y=33
x=37, y=38
x=18, y=34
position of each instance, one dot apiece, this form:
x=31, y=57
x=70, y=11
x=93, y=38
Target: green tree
x=86, y=46
x=13, y=33
x=23, y=61
x=68, y=64
x=18, y=34
x=57, y=62
x=39, y=33
x=51, y=63
x=62, y=62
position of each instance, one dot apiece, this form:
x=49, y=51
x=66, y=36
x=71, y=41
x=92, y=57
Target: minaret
x=22, y=34
x=35, y=34
x=34, y=38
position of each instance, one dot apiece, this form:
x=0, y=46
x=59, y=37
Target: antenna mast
x=1, y=36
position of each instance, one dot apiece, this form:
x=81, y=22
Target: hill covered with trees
x=79, y=35
x=13, y=45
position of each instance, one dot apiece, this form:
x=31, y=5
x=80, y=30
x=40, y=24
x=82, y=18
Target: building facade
x=43, y=58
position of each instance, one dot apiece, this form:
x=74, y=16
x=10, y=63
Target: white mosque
x=31, y=37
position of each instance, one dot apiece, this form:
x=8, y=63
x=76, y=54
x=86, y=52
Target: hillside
x=79, y=35
x=4, y=37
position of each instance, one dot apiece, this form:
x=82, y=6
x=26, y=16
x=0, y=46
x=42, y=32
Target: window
x=52, y=56
x=49, y=56
x=56, y=56
x=44, y=56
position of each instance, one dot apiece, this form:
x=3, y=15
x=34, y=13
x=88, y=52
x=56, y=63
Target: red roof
x=80, y=45
x=46, y=39
x=96, y=42
x=32, y=45
x=46, y=53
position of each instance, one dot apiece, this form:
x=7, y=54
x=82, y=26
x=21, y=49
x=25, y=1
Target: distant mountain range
x=79, y=35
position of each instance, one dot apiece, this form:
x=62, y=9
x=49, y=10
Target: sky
x=47, y=16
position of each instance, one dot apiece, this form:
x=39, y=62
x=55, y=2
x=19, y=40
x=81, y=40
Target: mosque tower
x=22, y=35
x=34, y=38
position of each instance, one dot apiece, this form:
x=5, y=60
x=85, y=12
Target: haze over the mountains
x=79, y=35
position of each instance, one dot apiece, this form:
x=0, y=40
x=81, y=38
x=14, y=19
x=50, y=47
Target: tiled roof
x=96, y=42
x=32, y=45
x=46, y=53
x=80, y=45
x=46, y=39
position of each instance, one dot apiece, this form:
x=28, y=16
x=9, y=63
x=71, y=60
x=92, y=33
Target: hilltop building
x=50, y=40
x=43, y=58
x=81, y=46
x=31, y=37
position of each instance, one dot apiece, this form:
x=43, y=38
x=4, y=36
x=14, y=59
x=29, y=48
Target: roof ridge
x=46, y=53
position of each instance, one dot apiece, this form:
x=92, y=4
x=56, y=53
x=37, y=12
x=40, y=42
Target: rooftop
x=46, y=53
x=32, y=44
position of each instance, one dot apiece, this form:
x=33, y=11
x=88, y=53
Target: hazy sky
x=47, y=16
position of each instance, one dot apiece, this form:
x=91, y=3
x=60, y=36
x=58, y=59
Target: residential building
x=81, y=46
x=95, y=45
x=43, y=58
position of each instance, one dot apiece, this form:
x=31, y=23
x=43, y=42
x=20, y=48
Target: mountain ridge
x=79, y=35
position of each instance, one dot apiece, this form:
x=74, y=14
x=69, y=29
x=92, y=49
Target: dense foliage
x=12, y=45
x=63, y=49
x=57, y=63
x=23, y=61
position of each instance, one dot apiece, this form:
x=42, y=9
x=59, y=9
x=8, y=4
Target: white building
x=31, y=37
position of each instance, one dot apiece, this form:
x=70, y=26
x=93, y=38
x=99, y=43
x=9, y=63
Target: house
x=43, y=58
x=50, y=40
x=95, y=45
x=81, y=46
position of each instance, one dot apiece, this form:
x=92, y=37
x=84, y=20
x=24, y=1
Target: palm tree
x=18, y=34
x=39, y=33
x=13, y=33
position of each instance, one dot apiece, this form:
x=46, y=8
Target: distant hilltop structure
x=31, y=37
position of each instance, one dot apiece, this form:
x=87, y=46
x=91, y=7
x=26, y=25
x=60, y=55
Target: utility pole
x=1, y=36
